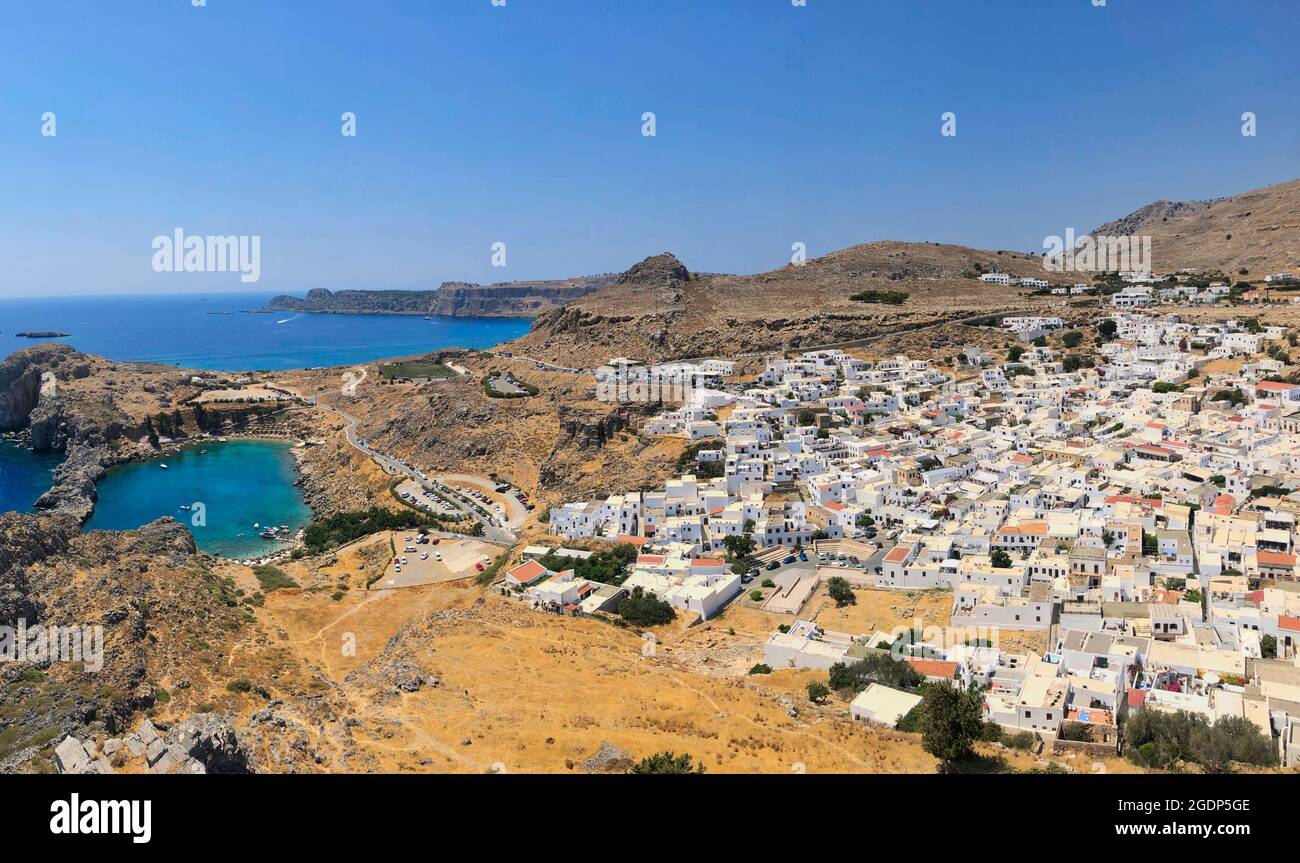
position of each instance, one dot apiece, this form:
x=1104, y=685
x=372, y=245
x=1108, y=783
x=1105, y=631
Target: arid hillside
x=660, y=310
x=1256, y=231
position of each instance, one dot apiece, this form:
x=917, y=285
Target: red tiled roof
x=526, y=572
x=934, y=667
x=1273, y=558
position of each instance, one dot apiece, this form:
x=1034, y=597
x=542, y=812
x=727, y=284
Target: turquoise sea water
x=216, y=331
x=230, y=487
x=241, y=482
x=24, y=476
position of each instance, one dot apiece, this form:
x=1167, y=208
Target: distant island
x=452, y=299
x=41, y=334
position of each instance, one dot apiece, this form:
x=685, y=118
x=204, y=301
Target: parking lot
x=459, y=557
x=412, y=492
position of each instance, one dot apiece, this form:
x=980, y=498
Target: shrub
x=840, y=591
x=667, y=763
x=761, y=668
x=818, y=692
x=645, y=609
x=273, y=578
x=892, y=298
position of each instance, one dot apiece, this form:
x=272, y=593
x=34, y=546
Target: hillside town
x=1120, y=492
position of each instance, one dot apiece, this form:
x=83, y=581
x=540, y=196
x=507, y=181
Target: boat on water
x=163, y=466
x=185, y=507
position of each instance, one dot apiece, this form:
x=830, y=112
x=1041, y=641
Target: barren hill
x=659, y=310
x=1256, y=231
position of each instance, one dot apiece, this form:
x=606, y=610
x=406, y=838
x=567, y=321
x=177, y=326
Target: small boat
x=185, y=507
x=163, y=466
x=269, y=533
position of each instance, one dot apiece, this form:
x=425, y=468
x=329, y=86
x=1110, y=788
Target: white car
x=403, y=560
x=397, y=568
x=437, y=555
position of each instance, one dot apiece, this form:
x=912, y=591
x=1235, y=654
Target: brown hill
x=1256, y=231
x=659, y=310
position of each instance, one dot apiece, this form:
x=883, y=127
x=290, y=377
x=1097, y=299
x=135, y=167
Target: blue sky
x=522, y=124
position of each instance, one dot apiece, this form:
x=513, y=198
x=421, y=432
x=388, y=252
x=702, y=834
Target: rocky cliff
x=453, y=299
x=513, y=299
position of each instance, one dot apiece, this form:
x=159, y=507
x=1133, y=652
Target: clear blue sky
x=522, y=124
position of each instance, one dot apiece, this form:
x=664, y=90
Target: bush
x=1022, y=740
x=1160, y=739
x=761, y=668
x=840, y=591
x=1072, y=339
x=645, y=609
x=892, y=298
x=243, y=684
x=273, y=578
x=343, y=527
x=667, y=763
x=818, y=692
x=1077, y=731
x=876, y=668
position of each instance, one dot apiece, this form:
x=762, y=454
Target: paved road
x=493, y=530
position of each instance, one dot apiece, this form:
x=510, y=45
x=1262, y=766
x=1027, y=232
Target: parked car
x=789, y=560
x=773, y=565
x=479, y=567
x=803, y=555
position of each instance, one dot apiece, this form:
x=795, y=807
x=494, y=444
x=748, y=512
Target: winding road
x=494, y=530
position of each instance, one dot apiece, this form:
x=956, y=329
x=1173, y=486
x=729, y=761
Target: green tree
x=1000, y=559
x=840, y=591
x=645, y=609
x=818, y=692
x=1072, y=339
x=951, y=721
x=739, y=547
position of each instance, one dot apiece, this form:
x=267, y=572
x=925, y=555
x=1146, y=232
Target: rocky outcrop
x=25, y=540
x=513, y=299
x=202, y=744
x=20, y=380
x=453, y=299
x=356, y=302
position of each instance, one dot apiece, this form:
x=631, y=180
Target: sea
x=222, y=331
x=226, y=493
x=240, y=483
x=24, y=476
